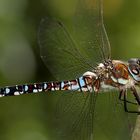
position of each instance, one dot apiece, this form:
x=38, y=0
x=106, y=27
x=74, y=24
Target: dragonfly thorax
x=111, y=74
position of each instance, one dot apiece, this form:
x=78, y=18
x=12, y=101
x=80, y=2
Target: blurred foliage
x=26, y=117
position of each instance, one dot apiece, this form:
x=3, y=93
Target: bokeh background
x=25, y=117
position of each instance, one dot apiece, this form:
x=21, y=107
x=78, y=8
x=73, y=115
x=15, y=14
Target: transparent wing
x=86, y=116
x=68, y=56
x=59, y=52
x=90, y=32
x=111, y=121
x=75, y=116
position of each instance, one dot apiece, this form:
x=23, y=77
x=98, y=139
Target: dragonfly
x=81, y=62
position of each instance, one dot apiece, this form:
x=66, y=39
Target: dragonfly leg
x=123, y=93
x=136, y=95
x=122, y=98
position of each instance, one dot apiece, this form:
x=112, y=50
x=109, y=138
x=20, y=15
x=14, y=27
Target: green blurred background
x=25, y=117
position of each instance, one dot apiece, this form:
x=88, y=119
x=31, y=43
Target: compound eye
x=135, y=71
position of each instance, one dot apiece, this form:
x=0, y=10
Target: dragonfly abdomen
x=21, y=89
x=80, y=84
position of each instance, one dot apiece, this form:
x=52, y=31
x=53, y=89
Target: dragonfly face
x=134, y=68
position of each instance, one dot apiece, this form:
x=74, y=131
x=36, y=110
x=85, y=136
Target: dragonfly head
x=134, y=68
